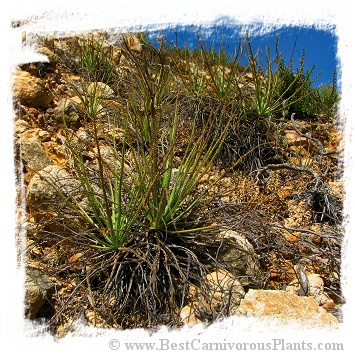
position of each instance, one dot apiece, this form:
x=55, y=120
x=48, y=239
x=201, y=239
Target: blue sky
x=320, y=45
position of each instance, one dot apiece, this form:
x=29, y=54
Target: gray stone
x=238, y=255
x=112, y=161
x=68, y=111
x=44, y=135
x=101, y=90
x=53, y=188
x=48, y=187
x=33, y=153
x=38, y=290
x=316, y=285
x=219, y=294
x=83, y=136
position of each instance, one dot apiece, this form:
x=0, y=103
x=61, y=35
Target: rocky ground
x=287, y=238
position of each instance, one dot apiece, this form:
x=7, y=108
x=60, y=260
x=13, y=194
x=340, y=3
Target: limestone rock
x=107, y=154
x=45, y=188
x=20, y=126
x=38, y=290
x=188, y=316
x=286, y=307
x=294, y=139
x=239, y=256
x=225, y=292
x=68, y=110
x=33, y=153
x=57, y=152
x=315, y=289
x=325, y=301
x=31, y=90
x=83, y=137
x=101, y=90
x=133, y=42
x=111, y=159
x=218, y=295
x=315, y=285
x=44, y=135
x=50, y=190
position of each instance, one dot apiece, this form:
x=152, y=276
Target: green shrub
x=277, y=87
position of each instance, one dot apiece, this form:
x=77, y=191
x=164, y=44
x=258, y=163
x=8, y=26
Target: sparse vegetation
x=172, y=133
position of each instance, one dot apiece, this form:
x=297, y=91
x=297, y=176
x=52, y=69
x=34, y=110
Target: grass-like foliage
x=136, y=206
x=159, y=118
x=114, y=205
x=96, y=59
x=277, y=87
x=170, y=190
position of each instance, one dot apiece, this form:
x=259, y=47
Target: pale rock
x=107, y=153
x=224, y=292
x=112, y=161
x=58, y=153
x=83, y=136
x=293, y=287
x=315, y=285
x=38, y=290
x=49, y=192
x=286, y=307
x=43, y=135
x=70, y=111
x=325, y=301
x=20, y=126
x=33, y=153
x=239, y=256
x=188, y=317
x=48, y=186
x=31, y=90
x=294, y=139
x=101, y=90
x=76, y=101
x=315, y=289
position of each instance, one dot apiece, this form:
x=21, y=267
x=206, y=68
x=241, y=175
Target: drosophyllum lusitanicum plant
x=159, y=118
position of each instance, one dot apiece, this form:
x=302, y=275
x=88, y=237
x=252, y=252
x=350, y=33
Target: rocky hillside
x=257, y=233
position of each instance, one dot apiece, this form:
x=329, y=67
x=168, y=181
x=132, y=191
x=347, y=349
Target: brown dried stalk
x=307, y=136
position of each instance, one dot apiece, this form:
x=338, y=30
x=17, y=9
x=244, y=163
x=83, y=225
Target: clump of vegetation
x=141, y=225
